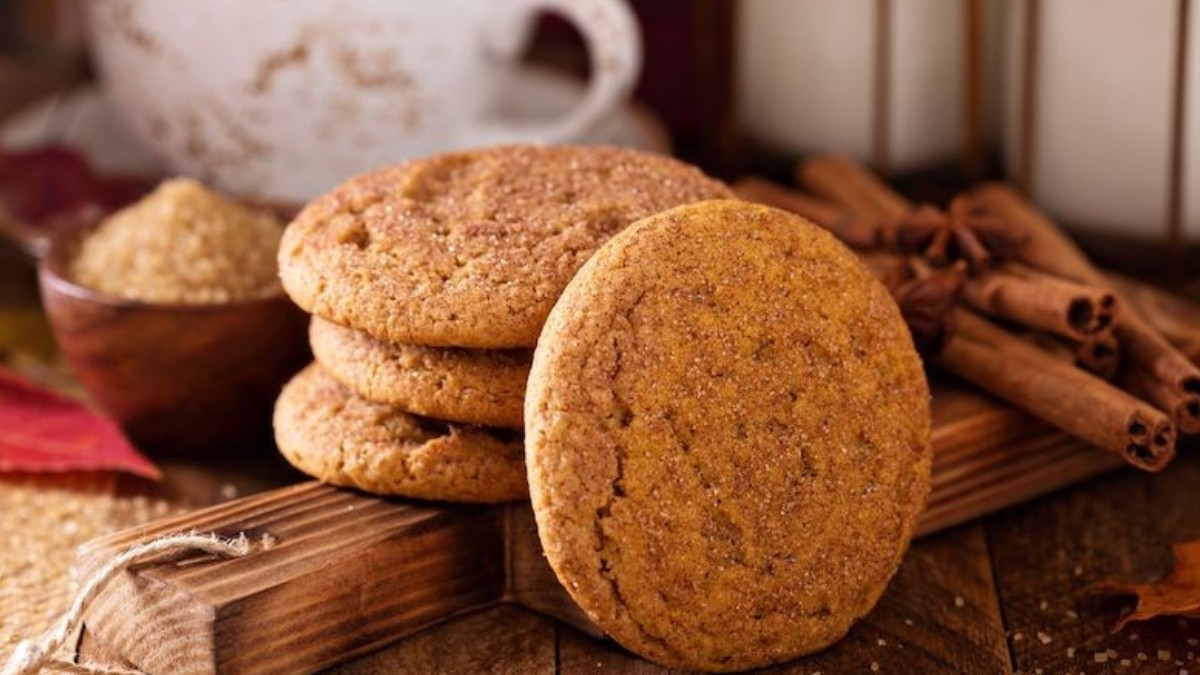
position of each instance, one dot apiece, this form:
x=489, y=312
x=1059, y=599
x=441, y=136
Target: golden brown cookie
x=727, y=437
x=473, y=386
x=328, y=432
x=471, y=249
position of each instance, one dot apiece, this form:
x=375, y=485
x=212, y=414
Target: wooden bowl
x=180, y=379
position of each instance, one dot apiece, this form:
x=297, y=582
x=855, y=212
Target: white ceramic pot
x=281, y=99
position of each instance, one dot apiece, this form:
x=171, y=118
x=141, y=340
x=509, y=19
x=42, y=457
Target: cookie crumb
x=1070, y=652
x=881, y=642
x=1043, y=638
x=1100, y=657
x=1044, y=605
x=874, y=666
x=958, y=601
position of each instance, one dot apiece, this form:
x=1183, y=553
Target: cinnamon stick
x=844, y=181
x=1048, y=388
x=1031, y=298
x=1098, y=354
x=1177, y=318
x=1049, y=249
x=854, y=230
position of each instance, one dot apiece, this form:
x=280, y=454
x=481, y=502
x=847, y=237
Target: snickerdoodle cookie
x=474, y=386
x=728, y=437
x=328, y=432
x=471, y=249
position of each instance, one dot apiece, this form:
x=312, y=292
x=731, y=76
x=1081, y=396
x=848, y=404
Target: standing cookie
x=728, y=437
x=471, y=249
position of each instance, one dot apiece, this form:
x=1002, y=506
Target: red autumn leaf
x=41, y=430
x=55, y=187
x=1177, y=595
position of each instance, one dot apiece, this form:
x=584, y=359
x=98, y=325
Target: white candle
x=1101, y=106
x=807, y=78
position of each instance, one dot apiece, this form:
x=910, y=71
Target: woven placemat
x=44, y=518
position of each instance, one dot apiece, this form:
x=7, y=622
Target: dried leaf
x=43, y=185
x=41, y=430
x=1177, y=595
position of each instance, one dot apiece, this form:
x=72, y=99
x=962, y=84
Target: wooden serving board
x=351, y=573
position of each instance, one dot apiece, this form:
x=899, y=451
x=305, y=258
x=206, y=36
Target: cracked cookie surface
x=728, y=437
x=472, y=386
x=471, y=249
x=331, y=434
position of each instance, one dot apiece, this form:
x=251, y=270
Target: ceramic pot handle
x=615, y=49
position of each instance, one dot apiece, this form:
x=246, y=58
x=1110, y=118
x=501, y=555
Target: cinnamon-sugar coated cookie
x=471, y=249
x=727, y=436
x=473, y=386
x=326, y=431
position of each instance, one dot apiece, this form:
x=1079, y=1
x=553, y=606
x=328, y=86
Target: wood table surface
x=1004, y=595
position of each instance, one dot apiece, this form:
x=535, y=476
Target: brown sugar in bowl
x=179, y=378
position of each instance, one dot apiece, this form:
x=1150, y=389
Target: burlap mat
x=43, y=519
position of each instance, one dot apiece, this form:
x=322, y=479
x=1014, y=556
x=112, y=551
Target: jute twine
x=31, y=657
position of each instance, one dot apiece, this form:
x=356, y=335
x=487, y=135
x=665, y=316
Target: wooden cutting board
x=350, y=573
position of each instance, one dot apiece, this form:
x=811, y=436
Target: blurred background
x=1090, y=106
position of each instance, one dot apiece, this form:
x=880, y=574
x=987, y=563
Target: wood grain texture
x=502, y=640
x=917, y=627
x=531, y=582
x=348, y=573
x=1047, y=554
x=988, y=456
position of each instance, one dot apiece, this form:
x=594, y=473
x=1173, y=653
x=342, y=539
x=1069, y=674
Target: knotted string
x=31, y=657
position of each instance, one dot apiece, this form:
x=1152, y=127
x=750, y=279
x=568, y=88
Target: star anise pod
x=927, y=300
x=963, y=232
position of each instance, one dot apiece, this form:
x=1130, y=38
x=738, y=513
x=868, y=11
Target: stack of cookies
x=429, y=283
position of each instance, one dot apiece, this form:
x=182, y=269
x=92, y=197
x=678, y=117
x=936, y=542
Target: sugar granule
x=181, y=244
